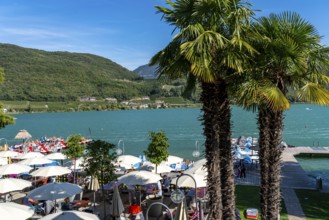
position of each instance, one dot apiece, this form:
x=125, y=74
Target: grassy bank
x=315, y=204
x=249, y=197
x=76, y=106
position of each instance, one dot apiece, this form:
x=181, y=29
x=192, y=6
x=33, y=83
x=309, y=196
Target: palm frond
x=275, y=99
x=314, y=93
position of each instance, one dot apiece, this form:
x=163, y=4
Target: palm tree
x=208, y=49
x=290, y=58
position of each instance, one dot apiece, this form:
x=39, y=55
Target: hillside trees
x=4, y=118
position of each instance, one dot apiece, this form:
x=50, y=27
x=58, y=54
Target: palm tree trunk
x=263, y=126
x=274, y=195
x=212, y=153
x=223, y=118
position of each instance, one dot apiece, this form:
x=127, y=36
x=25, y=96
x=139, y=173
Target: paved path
x=294, y=209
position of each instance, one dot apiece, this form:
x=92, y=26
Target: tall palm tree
x=290, y=58
x=208, y=49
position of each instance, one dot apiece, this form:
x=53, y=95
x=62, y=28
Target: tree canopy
x=75, y=148
x=4, y=118
x=99, y=160
x=157, y=150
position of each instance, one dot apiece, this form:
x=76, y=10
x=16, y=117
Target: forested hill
x=38, y=75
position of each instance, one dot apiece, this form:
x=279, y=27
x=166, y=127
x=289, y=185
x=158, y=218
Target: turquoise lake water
x=316, y=167
x=304, y=125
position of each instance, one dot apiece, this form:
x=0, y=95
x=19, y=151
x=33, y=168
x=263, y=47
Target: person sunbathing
x=40, y=181
x=81, y=203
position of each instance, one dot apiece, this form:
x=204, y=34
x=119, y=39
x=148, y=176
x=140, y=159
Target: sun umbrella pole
x=103, y=192
x=94, y=198
x=75, y=164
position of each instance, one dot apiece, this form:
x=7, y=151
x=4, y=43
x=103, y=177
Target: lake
x=315, y=167
x=304, y=125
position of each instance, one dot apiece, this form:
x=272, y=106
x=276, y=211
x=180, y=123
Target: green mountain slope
x=38, y=75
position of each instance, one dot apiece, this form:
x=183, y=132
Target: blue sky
x=129, y=32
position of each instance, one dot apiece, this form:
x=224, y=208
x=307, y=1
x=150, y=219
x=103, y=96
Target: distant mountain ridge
x=38, y=75
x=146, y=71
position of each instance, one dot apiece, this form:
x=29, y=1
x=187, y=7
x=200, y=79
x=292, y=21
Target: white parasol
x=139, y=177
x=51, y=171
x=30, y=155
x=53, y=191
x=9, y=153
x=127, y=161
x=10, y=210
x=71, y=215
x=56, y=156
x=199, y=170
x=200, y=162
x=35, y=161
x=3, y=161
x=173, y=160
x=161, y=168
x=14, y=168
x=13, y=184
x=187, y=181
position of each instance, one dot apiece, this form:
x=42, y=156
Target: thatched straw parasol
x=23, y=134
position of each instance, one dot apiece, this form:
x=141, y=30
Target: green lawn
x=314, y=203
x=248, y=197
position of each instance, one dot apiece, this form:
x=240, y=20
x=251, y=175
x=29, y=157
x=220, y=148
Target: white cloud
x=33, y=32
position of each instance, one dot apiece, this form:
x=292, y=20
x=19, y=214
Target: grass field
x=249, y=197
x=315, y=204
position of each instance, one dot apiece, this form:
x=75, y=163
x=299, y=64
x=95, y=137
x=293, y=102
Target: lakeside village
x=91, y=103
x=41, y=186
